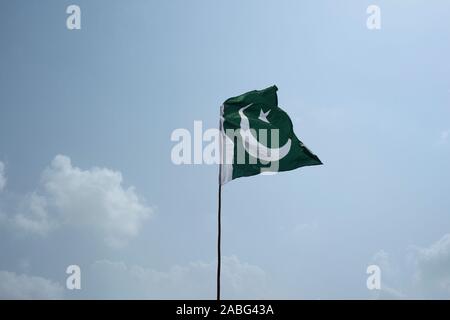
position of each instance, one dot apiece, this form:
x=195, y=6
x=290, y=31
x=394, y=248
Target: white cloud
x=197, y=280
x=33, y=216
x=425, y=273
x=14, y=286
x=382, y=259
x=387, y=293
x=389, y=274
x=433, y=268
x=2, y=176
x=95, y=199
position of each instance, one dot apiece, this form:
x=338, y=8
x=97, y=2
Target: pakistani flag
x=257, y=137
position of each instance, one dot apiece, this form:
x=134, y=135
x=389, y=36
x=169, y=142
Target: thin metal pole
x=219, y=234
x=219, y=215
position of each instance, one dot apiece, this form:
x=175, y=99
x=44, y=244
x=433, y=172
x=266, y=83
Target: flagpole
x=219, y=209
x=219, y=234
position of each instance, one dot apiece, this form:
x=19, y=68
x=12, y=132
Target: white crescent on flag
x=257, y=149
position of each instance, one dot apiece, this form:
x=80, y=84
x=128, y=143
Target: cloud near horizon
x=425, y=274
x=433, y=268
x=93, y=199
x=196, y=280
x=21, y=286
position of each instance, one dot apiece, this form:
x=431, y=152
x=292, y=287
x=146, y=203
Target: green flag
x=257, y=137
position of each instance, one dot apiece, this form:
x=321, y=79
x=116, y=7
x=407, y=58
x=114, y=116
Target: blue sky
x=373, y=105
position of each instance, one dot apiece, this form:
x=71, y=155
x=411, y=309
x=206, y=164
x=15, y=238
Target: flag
x=257, y=137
